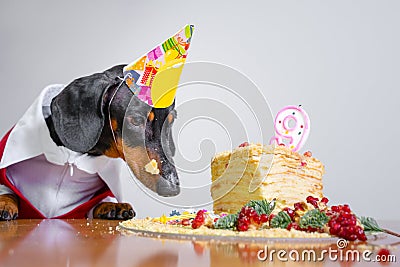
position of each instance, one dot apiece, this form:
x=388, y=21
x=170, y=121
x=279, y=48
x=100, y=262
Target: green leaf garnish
x=281, y=220
x=262, y=206
x=226, y=222
x=313, y=218
x=370, y=225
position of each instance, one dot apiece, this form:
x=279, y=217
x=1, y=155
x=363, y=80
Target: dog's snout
x=166, y=188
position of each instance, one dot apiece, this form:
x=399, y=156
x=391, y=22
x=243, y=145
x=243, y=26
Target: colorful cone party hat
x=154, y=77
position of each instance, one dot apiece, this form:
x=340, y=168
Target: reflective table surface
x=54, y=242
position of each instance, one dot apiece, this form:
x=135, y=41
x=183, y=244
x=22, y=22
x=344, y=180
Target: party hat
x=154, y=77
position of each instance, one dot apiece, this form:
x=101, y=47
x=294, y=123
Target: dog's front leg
x=8, y=207
x=113, y=211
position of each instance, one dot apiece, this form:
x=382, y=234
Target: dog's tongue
x=154, y=77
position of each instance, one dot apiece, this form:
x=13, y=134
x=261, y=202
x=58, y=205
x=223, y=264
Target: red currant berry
x=308, y=154
x=351, y=229
x=199, y=219
x=358, y=229
x=264, y=218
x=324, y=200
x=271, y=216
x=346, y=215
x=352, y=237
x=311, y=229
x=244, y=144
x=329, y=213
x=352, y=221
x=196, y=224
x=313, y=201
x=342, y=232
x=335, y=208
x=290, y=212
x=243, y=211
x=252, y=214
x=185, y=222
x=310, y=198
x=256, y=219
x=298, y=206
x=200, y=216
x=335, y=228
x=245, y=220
x=362, y=237
x=293, y=225
x=346, y=208
x=242, y=227
x=345, y=222
x=332, y=231
x=296, y=226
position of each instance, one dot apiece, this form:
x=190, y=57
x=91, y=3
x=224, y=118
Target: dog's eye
x=171, y=118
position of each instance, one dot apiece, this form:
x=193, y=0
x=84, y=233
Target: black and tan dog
x=88, y=116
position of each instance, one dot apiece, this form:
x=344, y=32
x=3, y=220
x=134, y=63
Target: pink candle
x=293, y=125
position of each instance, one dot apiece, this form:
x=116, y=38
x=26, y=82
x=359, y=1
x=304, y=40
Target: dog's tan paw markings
x=8, y=207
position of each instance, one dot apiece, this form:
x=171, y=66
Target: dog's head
x=99, y=115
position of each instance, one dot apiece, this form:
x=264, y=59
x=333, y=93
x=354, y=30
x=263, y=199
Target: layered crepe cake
x=256, y=172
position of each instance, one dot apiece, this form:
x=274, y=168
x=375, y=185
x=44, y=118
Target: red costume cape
x=28, y=211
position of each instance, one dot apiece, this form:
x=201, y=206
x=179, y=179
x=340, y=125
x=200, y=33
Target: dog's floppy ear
x=77, y=112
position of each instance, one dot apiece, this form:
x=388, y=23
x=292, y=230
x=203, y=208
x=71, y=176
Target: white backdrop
x=339, y=59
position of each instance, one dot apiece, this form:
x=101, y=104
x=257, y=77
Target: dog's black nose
x=166, y=188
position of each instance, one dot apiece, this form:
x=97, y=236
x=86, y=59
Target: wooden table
x=98, y=243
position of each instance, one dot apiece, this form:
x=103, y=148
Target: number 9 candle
x=292, y=124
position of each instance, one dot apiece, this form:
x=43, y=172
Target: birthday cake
x=275, y=171
x=256, y=172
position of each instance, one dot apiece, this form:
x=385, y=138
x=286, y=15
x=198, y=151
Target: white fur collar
x=30, y=138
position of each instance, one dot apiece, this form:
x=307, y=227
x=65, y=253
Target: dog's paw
x=8, y=207
x=113, y=211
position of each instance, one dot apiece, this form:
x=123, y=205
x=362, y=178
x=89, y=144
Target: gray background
x=339, y=59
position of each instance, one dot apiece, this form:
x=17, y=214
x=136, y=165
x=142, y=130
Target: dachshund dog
x=98, y=115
